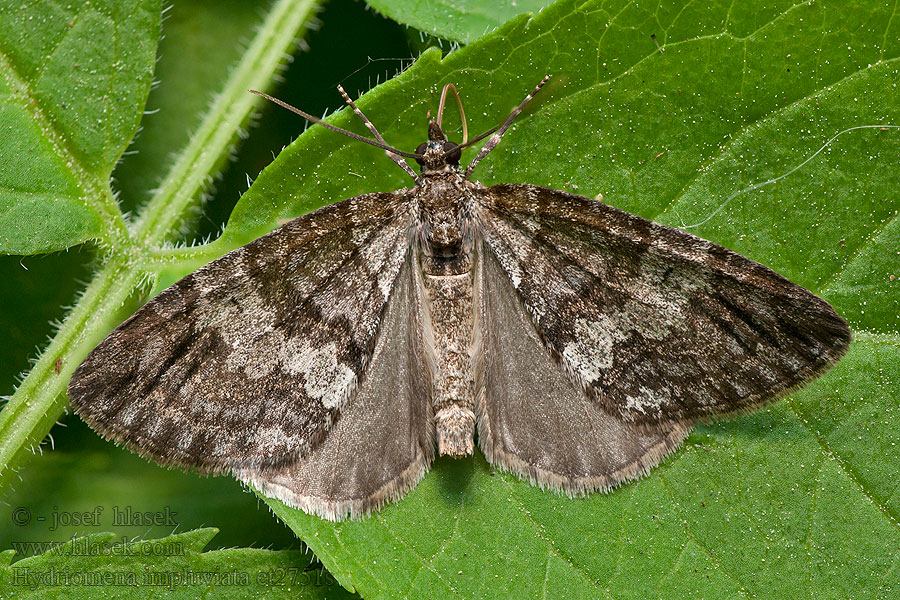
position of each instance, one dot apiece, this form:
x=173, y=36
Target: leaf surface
x=457, y=20
x=73, y=81
x=172, y=567
x=771, y=504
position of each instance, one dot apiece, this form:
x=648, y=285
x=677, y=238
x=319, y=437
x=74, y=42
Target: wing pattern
x=382, y=442
x=247, y=362
x=533, y=421
x=656, y=325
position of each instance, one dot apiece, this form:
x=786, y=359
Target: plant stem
x=39, y=401
x=229, y=111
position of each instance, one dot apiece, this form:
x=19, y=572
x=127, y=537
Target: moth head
x=438, y=153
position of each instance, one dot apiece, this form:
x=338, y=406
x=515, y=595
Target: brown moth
x=325, y=362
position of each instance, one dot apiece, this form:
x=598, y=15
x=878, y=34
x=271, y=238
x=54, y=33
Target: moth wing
x=654, y=324
x=532, y=420
x=382, y=443
x=248, y=361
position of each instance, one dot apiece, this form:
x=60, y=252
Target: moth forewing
x=656, y=325
x=327, y=362
x=247, y=361
x=381, y=444
x=532, y=419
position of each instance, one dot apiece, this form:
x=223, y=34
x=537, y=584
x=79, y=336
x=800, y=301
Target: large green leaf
x=458, y=20
x=99, y=566
x=795, y=500
x=74, y=77
x=771, y=504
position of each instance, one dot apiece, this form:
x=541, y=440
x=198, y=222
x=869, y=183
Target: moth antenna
x=462, y=113
x=349, y=134
x=476, y=139
x=495, y=139
x=371, y=127
x=480, y=137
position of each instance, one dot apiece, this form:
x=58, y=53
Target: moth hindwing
x=327, y=362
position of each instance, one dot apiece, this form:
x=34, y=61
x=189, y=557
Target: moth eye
x=421, y=150
x=453, y=153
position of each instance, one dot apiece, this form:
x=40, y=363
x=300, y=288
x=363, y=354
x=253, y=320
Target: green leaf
x=172, y=567
x=763, y=505
x=457, y=20
x=73, y=82
x=84, y=486
x=796, y=500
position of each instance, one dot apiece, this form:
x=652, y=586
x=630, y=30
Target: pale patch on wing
x=533, y=421
x=249, y=359
x=591, y=350
x=647, y=400
x=325, y=378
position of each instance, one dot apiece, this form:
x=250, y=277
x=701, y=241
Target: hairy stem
x=39, y=401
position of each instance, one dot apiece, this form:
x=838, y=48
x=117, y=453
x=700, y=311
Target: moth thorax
x=455, y=426
x=444, y=221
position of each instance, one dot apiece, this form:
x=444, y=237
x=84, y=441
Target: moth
x=328, y=362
